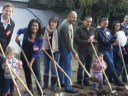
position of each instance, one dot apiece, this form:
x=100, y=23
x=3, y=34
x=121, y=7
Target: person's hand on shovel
x=76, y=56
x=17, y=40
x=91, y=39
x=31, y=63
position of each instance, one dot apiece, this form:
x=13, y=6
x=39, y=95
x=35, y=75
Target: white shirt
x=5, y=24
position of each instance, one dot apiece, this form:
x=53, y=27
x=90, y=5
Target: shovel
x=14, y=82
x=92, y=79
x=53, y=61
x=59, y=94
x=112, y=91
x=125, y=70
x=16, y=74
x=31, y=69
x=59, y=67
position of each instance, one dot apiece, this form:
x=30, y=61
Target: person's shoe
x=78, y=82
x=62, y=85
x=53, y=88
x=117, y=81
x=53, y=83
x=12, y=94
x=110, y=78
x=86, y=82
x=124, y=80
x=46, y=79
x=72, y=90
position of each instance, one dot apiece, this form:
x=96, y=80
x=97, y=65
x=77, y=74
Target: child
x=97, y=71
x=16, y=65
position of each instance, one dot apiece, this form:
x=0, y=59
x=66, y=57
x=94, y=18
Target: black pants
x=86, y=59
x=36, y=69
x=1, y=79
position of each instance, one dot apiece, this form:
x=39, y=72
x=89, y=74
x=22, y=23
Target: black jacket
x=81, y=39
x=6, y=34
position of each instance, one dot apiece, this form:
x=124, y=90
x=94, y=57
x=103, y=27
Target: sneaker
x=72, y=90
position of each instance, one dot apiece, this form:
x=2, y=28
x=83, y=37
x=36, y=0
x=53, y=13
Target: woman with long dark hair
x=115, y=28
x=32, y=43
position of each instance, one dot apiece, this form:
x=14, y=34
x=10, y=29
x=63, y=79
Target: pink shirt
x=97, y=67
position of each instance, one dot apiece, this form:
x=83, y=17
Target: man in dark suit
x=6, y=30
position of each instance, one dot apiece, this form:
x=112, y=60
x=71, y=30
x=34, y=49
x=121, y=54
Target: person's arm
x=95, y=65
x=19, y=32
x=31, y=62
x=68, y=38
x=2, y=58
x=104, y=65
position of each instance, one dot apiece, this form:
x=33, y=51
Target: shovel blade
x=59, y=94
x=126, y=86
x=114, y=92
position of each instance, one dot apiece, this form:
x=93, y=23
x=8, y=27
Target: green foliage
x=99, y=8
x=88, y=2
x=33, y=3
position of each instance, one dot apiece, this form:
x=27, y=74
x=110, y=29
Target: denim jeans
x=8, y=84
x=49, y=64
x=86, y=59
x=65, y=62
x=36, y=69
x=117, y=63
x=108, y=57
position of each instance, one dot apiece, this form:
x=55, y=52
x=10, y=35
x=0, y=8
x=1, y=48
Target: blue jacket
x=105, y=39
x=37, y=44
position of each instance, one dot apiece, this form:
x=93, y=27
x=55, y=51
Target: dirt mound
x=117, y=91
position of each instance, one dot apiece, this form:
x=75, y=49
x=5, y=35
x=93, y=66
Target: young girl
x=97, y=71
x=16, y=65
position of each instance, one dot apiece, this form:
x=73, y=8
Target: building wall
x=20, y=0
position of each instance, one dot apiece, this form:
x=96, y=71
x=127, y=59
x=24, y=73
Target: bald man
x=66, y=50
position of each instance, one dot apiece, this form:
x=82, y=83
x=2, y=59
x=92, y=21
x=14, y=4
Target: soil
x=83, y=90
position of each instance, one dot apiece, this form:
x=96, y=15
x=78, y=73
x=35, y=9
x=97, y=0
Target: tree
x=33, y=3
x=98, y=8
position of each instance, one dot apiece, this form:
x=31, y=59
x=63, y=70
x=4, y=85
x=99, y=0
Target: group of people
x=57, y=41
